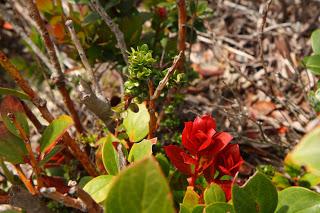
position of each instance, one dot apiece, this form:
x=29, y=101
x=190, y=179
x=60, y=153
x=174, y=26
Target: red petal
x=175, y=153
x=221, y=140
x=209, y=140
x=186, y=138
x=188, y=159
x=204, y=123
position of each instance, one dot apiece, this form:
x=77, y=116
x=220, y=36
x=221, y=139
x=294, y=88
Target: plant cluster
x=114, y=161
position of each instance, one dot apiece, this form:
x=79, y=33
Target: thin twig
x=41, y=105
x=92, y=205
x=25, y=180
x=27, y=143
x=6, y=16
x=165, y=80
x=33, y=118
x=63, y=199
x=58, y=75
x=152, y=111
x=261, y=37
x=121, y=44
x=83, y=57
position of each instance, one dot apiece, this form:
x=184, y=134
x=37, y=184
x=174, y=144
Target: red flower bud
x=161, y=12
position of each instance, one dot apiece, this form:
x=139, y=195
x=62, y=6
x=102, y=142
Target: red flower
x=201, y=136
x=230, y=160
x=206, y=152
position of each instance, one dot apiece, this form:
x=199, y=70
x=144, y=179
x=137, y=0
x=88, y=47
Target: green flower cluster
x=140, y=71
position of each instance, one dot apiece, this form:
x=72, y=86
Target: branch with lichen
x=58, y=75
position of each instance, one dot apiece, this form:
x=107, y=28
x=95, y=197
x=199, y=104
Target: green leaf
x=298, y=200
x=198, y=209
x=191, y=199
x=313, y=63
x=21, y=119
x=13, y=92
x=137, y=124
x=164, y=163
x=220, y=208
x=55, y=150
x=91, y=18
x=54, y=132
x=184, y=209
x=140, y=187
x=214, y=194
x=109, y=155
x=257, y=195
x=309, y=180
x=98, y=187
x=307, y=152
x=140, y=150
x=315, y=41
x=11, y=104
x=12, y=148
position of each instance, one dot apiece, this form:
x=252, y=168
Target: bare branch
x=101, y=108
x=121, y=44
x=83, y=57
x=63, y=199
x=165, y=80
x=58, y=75
x=21, y=198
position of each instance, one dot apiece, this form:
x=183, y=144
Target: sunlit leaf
x=307, y=152
x=53, y=133
x=315, y=41
x=140, y=150
x=298, y=199
x=137, y=124
x=109, y=155
x=98, y=187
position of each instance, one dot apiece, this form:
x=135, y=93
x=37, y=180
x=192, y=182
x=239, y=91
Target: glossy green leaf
x=220, y=208
x=140, y=150
x=191, y=199
x=140, y=187
x=307, y=152
x=313, y=64
x=12, y=148
x=214, y=194
x=13, y=92
x=257, y=195
x=109, y=155
x=53, y=133
x=315, y=41
x=137, y=124
x=98, y=187
x=298, y=200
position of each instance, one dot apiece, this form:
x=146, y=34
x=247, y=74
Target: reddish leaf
x=175, y=155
